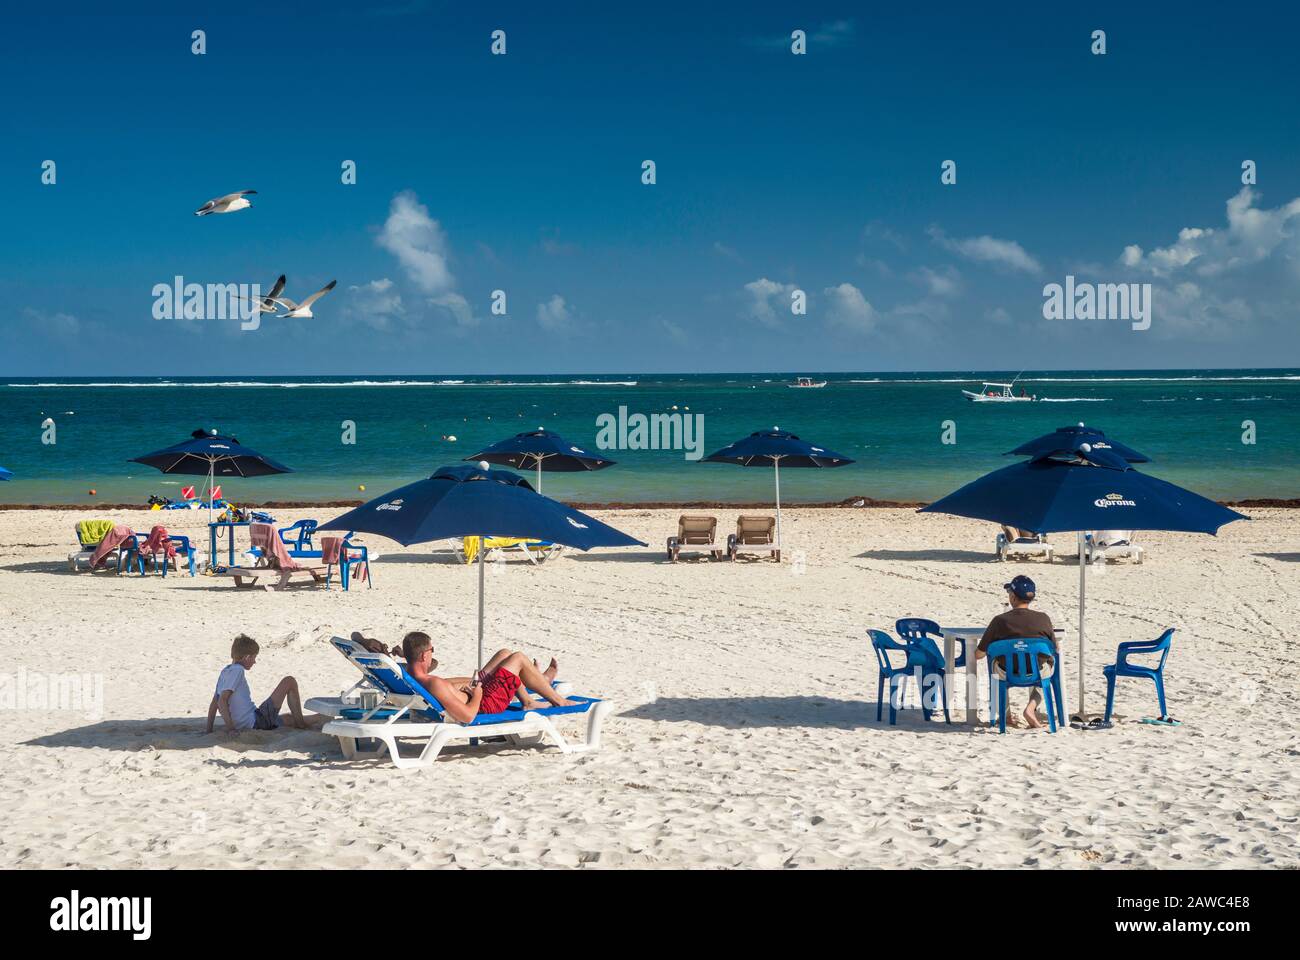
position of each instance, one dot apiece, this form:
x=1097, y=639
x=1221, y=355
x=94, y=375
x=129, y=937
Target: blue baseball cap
x=1022, y=587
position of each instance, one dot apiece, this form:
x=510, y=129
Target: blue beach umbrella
x=541, y=449
x=475, y=501
x=1094, y=489
x=211, y=454
x=5, y=474
x=773, y=448
x=1066, y=440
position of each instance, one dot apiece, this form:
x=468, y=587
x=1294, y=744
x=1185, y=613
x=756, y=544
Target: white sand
x=745, y=733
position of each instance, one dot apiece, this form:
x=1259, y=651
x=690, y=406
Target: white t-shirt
x=235, y=679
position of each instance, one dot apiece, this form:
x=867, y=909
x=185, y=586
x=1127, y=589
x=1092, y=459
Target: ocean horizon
x=1195, y=424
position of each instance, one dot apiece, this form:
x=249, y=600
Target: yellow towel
x=90, y=532
x=471, y=545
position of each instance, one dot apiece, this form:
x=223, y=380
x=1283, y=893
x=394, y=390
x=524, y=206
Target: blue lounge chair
x=408, y=711
x=1122, y=668
x=1020, y=656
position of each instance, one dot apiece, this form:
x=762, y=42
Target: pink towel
x=275, y=553
x=112, y=540
x=158, y=542
x=330, y=547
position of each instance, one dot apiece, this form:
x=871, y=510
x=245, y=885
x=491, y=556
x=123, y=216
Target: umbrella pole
x=482, y=549
x=776, y=469
x=1083, y=586
x=539, y=474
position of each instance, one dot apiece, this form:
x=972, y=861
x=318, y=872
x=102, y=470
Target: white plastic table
x=971, y=635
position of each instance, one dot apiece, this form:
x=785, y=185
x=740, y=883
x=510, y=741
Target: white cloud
x=760, y=294
x=1215, y=283
x=986, y=249
x=554, y=315
x=459, y=308
x=847, y=307
x=831, y=34
x=421, y=249
x=722, y=250
x=62, y=326
x=940, y=283
x=1251, y=236
x=376, y=303
x=418, y=242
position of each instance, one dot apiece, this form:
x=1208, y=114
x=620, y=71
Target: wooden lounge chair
x=273, y=562
x=754, y=535
x=695, y=534
x=1013, y=540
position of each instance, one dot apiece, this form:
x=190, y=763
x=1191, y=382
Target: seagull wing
x=276, y=290
x=206, y=208
x=284, y=302
x=318, y=294
x=233, y=196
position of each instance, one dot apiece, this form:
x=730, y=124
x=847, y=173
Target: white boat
x=806, y=383
x=998, y=393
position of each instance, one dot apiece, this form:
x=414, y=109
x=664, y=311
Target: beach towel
x=274, y=552
x=471, y=545
x=90, y=532
x=330, y=547
x=112, y=540
x=159, y=542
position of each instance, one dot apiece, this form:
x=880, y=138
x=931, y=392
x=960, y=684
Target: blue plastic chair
x=882, y=642
x=183, y=549
x=1020, y=664
x=1122, y=668
x=918, y=628
x=129, y=551
x=297, y=536
x=924, y=652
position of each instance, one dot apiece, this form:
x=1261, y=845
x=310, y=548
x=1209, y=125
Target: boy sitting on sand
x=507, y=676
x=235, y=702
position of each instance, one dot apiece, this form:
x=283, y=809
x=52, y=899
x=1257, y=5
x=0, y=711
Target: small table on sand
x=212, y=538
x=972, y=636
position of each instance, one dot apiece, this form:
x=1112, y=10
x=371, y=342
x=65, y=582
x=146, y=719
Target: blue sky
x=775, y=172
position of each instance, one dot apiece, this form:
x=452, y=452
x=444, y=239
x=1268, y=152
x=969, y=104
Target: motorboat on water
x=999, y=393
x=806, y=383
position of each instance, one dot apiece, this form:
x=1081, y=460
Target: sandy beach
x=744, y=734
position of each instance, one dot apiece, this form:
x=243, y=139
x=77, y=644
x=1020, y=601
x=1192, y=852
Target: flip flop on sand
x=1162, y=721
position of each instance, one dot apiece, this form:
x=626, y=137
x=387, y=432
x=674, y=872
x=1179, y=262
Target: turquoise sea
x=1191, y=422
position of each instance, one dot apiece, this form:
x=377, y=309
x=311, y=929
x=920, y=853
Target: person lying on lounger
x=375, y=646
x=1017, y=622
x=509, y=675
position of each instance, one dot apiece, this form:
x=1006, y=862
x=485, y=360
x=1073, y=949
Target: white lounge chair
x=1107, y=545
x=409, y=712
x=536, y=551
x=1013, y=541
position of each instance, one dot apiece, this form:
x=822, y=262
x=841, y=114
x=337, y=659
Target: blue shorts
x=267, y=716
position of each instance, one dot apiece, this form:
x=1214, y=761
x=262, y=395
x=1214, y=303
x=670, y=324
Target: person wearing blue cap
x=1018, y=622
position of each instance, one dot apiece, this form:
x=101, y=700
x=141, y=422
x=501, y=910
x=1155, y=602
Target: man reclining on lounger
x=509, y=675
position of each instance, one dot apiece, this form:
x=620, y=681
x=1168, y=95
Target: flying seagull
x=227, y=204
x=266, y=304
x=302, y=311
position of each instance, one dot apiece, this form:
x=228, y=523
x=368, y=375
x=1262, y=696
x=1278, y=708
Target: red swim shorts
x=498, y=690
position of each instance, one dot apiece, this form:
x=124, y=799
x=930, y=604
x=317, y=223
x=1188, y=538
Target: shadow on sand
x=1286, y=557
x=746, y=713
x=941, y=556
